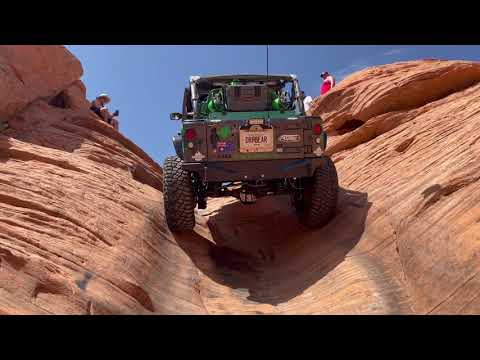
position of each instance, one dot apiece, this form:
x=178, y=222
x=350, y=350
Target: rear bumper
x=255, y=169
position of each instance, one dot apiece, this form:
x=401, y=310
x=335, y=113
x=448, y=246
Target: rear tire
x=178, y=196
x=320, y=196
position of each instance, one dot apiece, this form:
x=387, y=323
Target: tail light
x=190, y=134
x=317, y=129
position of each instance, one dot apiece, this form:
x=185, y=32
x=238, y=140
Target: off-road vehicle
x=248, y=136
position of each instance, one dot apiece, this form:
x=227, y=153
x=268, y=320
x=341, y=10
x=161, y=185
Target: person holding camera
x=98, y=106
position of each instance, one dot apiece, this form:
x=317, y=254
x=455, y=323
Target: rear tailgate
x=255, y=139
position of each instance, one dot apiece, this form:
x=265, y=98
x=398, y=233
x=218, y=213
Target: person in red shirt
x=328, y=82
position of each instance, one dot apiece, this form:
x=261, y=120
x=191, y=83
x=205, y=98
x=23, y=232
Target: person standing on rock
x=328, y=82
x=99, y=108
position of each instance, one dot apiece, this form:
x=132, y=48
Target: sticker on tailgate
x=225, y=147
x=289, y=138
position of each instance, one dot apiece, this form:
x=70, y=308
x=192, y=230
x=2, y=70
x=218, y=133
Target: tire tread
x=322, y=205
x=178, y=195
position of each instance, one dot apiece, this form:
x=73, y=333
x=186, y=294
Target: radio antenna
x=268, y=113
x=267, y=62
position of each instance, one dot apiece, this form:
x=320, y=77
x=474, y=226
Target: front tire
x=320, y=196
x=178, y=196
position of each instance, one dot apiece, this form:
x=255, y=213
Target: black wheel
x=320, y=196
x=178, y=195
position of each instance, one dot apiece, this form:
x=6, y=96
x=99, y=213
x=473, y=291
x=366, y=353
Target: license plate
x=256, y=141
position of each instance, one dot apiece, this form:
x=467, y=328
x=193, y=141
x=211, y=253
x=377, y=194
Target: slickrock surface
x=82, y=229
x=79, y=203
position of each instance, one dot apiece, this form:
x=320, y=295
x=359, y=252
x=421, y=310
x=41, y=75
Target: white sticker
x=318, y=151
x=198, y=156
x=256, y=121
x=289, y=138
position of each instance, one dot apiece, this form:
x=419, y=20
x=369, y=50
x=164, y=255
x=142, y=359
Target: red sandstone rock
x=31, y=72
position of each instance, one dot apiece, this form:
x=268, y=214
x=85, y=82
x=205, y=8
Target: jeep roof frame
x=194, y=80
x=253, y=77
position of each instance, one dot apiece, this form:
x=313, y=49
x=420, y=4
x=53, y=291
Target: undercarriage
x=248, y=192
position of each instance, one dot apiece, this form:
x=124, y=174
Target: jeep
x=248, y=136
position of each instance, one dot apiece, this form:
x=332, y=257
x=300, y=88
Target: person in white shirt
x=307, y=101
x=98, y=106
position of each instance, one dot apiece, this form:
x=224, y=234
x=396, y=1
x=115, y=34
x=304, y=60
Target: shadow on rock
x=265, y=250
x=5, y=145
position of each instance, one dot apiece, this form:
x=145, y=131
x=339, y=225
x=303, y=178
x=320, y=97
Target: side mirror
x=176, y=116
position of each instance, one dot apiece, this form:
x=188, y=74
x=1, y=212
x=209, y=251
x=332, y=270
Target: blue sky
x=146, y=82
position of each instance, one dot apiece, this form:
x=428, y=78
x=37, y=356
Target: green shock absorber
x=277, y=103
x=215, y=102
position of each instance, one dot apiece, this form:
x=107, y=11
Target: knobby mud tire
x=178, y=196
x=320, y=196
